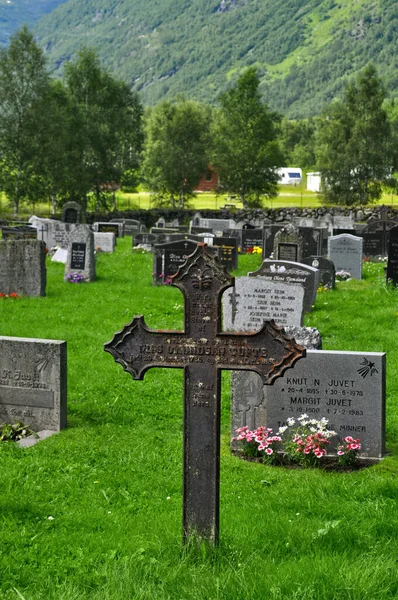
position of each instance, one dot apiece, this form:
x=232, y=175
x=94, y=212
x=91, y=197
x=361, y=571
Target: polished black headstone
x=109, y=228
x=392, y=262
x=251, y=238
x=169, y=257
x=327, y=272
x=228, y=251
x=203, y=350
x=78, y=256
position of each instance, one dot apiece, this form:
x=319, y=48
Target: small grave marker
x=345, y=251
x=33, y=382
x=202, y=350
x=81, y=258
x=23, y=267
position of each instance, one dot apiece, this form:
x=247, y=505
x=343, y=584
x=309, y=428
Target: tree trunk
x=54, y=204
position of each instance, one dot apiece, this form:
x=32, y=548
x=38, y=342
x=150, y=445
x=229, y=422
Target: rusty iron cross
x=203, y=350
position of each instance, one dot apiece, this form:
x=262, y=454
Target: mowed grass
x=111, y=482
x=289, y=196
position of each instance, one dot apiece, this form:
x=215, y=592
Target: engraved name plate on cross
x=203, y=350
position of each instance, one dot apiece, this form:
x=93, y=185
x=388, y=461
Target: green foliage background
x=305, y=50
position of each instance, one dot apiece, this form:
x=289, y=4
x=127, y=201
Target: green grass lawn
x=95, y=511
x=289, y=196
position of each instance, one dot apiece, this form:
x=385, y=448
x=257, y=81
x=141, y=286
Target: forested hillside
x=14, y=13
x=305, y=50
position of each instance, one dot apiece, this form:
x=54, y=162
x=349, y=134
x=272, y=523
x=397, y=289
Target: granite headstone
x=345, y=251
x=33, y=382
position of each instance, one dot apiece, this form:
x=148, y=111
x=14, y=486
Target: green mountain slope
x=305, y=49
x=14, y=13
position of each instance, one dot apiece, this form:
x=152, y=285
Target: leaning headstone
x=345, y=251
x=327, y=272
x=280, y=271
x=23, y=267
x=60, y=255
x=254, y=300
x=202, y=350
x=71, y=212
x=81, y=257
x=347, y=388
x=288, y=244
x=169, y=257
x=392, y=261
x=105, y=242
x=33, y=382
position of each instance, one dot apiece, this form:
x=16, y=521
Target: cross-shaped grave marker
x=202, y=350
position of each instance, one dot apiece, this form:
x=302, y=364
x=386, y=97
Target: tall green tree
x=297, y=140
x=111, y=121
x=245, y=148
x=354, y=150
x=176, y=152
x=23, y=84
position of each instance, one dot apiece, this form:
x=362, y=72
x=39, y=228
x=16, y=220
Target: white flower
x=50, y=518
x=290, y=421
x=282, y=429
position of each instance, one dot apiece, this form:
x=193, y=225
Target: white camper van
x=290, y=175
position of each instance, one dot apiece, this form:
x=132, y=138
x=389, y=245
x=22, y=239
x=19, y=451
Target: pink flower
x=340, y=453
x=269, y=451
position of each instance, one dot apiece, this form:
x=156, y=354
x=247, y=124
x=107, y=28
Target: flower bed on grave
x=304, y=443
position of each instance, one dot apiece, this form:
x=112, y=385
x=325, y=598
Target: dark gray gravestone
x=228, y=251
x=130, y=226
x=327, y=272
x=116, y=228
x=145, y=239
x=376, y=237
x=392, y=262
x=347, y=388
x=288, y=244
x=345, y=251
x=33, y=382
x=22, y=232
x=202, y=350
x=315, y=241
x=251, y=238
x=269, y=232
x=71, y=212
x=169, y=257
x=280, y=271
x=23, y=267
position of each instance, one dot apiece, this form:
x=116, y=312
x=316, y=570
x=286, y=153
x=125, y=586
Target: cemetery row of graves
x=133, y=452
